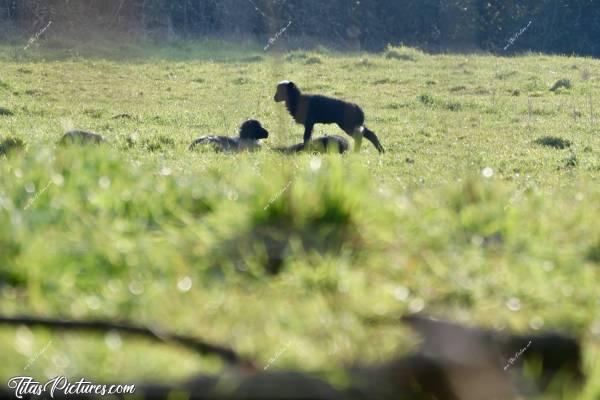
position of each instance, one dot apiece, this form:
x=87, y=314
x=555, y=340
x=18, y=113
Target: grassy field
x=484, y=209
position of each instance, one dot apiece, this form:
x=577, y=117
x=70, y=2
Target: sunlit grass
x=112, y=231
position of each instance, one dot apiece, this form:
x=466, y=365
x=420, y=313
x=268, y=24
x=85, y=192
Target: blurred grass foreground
x=485, y=208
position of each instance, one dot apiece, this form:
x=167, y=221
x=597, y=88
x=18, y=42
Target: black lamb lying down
x=251, y=131
x=81, y=137
x=323, y=144
x=311, y=109
x=453, y=362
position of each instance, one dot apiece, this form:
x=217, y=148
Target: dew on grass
x=536, y=323
x=401, y=293
x=24, y=341
x=114, y=286
x=61, y=361
x=113, y=341
x=104, y=182
x=93, y=302
x=385, y=192
x=595, y=328
x=499, y=326
x=58, y=179
x=231, y=194
x=403, y=203
x=184, y=284
x=315, y=164
x=30, y=187
x=18, y=173
x=416, y=305
x=513, y=304
x=477, y=240
x=166, y=171
x=136, y=288
x=548, y=266
x=487, y=172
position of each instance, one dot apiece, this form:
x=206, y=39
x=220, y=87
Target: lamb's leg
x=357, y=134
x=308, y=129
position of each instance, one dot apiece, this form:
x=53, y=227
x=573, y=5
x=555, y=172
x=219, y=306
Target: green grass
x=474, y=212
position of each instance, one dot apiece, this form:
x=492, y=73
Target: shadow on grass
x=275, y=233
x=553, y=141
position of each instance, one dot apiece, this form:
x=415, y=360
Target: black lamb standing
x=308, y=110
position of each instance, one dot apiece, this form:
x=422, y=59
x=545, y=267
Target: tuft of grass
x=156, y=143
x=125, y=116
x=10, y=145
x=561, y=84
x=402, y=53
x=396, y=106
x=364, y=62
x=593, y=252
x=459, y=88
x=505, y=75
x=428, y=100
x=5, y=112
x=553, y=141
x=437, y=102
x=252, y=59
x=312, y=61
x=240, y=81
x=34, y=92
x=571, y=161
x=93, y=113
x=296, y=56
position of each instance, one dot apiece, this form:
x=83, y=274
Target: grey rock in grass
x=561, y=83
x=81, y=137
x=10, y=145
x=5, y=112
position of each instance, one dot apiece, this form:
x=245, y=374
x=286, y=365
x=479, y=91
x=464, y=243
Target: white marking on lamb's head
x=283, y=90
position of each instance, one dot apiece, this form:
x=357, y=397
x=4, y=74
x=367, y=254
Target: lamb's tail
x=372, y=137
x=297, y=148
x=196, y=143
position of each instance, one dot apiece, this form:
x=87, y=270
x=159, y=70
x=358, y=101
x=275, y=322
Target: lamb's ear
x=245, y=130
x=250, y=129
